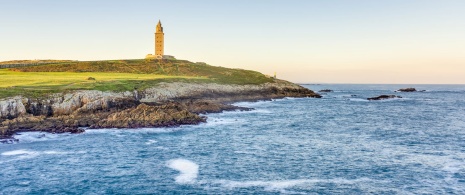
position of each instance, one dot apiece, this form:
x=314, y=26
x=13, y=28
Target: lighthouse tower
x=159, y=41
x=159, y=45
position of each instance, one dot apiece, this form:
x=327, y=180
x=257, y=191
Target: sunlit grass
x=35, y=79
x=116, y=75
x=39, y=83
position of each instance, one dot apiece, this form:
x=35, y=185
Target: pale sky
x=306, y=41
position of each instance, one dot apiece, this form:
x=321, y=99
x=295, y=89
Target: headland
x=66, y=96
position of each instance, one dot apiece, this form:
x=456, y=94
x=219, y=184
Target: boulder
x=383, y=97
x=9, y=141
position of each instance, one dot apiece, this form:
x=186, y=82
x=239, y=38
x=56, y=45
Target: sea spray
x=188, y=170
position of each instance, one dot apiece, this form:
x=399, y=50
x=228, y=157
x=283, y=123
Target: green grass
x=36, y=84
x=116, y=75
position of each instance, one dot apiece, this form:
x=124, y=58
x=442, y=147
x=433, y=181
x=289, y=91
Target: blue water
x=338, y=144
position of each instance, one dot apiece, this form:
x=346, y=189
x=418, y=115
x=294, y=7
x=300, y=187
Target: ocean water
x=339, y=144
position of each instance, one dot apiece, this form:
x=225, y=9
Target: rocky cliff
x=167, y=104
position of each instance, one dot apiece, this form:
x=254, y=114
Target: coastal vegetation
x=115, y=75
x=32, y=62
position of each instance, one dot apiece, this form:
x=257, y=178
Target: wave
x=39, y=136
x=188, y=170
x=188, y=173
x=444, y=91
x=17, y=152
x=28, y=154
x=259, y=103
x=358, y=100
x=280, y=185
x=213, y=121
x=32, y=153
x=150, y=142
x=121, y=132
x=249, y=104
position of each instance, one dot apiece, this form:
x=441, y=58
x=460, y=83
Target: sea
x=339, y=144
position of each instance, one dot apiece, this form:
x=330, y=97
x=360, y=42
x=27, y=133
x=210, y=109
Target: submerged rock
x=383, y=97
x=9, y=141
x=325, y=90
x=204, y=107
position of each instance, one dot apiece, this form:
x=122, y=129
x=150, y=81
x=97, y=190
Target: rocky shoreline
x=164, y=105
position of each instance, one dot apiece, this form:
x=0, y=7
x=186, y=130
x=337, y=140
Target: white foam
x=53, y=152
x=281, y=185
x=358, y=100
x=188, y=170
x=294, y=98
x=237, y=112
x=19, y=155
x=268, y=185
x=265, y=111
x=123, y=132
x=39, y=136
x=16, y=152
x=150, y=142
x=244, y=152
x=161, y=148
x=29, y=153
x=392, y=99
x=249, y=104
x=211, y=121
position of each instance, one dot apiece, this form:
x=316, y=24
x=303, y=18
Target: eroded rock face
x=383, y=97
x=170, y=114
x=12, y=108
x=225, y=93
x=89, y=101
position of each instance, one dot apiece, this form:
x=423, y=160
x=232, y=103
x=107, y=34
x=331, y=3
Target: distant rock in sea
x=383, y=97
x=410, y=89
x=325, y=90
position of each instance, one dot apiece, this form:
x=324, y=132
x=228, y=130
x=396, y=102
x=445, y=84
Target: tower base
x=168, y=57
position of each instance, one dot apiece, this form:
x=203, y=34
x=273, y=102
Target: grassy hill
x=116, y=75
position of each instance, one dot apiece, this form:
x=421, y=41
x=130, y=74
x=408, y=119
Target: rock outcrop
x=168, y=104
x=407, y=90
x=12, y=108
x=383, y=97
x=166, y=115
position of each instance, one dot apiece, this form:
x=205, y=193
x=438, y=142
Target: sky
x=304, y=41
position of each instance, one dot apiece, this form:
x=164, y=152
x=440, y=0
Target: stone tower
x=159, y=41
